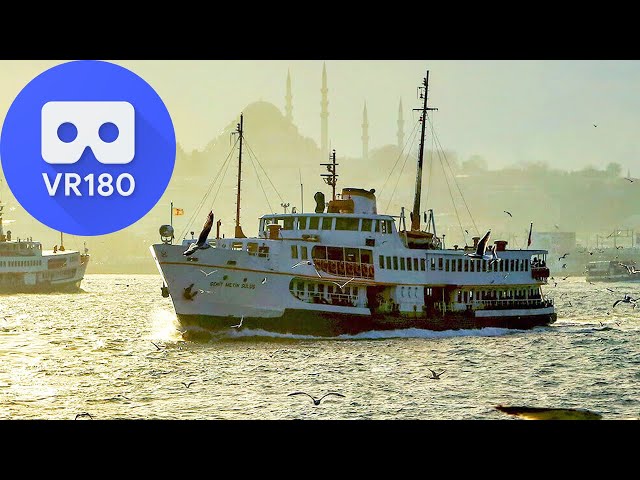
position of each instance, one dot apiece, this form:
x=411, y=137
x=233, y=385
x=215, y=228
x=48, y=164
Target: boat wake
x=199, y=334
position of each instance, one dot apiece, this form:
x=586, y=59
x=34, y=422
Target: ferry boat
x=345, y=269
x=26, y=268
x=611, y=271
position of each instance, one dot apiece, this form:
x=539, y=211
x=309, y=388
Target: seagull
x=564, y=265
x=240, y=324
x=207, y=274
x=566, y=276
x=467, y=232
x=626, y=299
x=84, y=414
x=631, y=269
x=304, y=262
x=595, y=125
x=563, y=256
x=316, y=401
x=434, y=375
x=508, y=213
x=481, y=249
x=344, y=284
x=156, y=345
x=202, y=239
x=494, y=258
x=630, y=179
x=264, y=280
x=612, y=291
x=205, y=291
x=123, y=396
x=536, y=413
x=557, y=227
x=188, y=294
x=187, y=385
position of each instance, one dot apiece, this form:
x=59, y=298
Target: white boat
x=349, y=269
x=611, y=271
x=26, y=267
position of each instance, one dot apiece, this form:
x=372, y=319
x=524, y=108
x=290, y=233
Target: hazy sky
x=508, y=112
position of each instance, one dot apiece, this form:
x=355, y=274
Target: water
x=65, y=354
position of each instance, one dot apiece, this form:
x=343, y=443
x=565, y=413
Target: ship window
x=355, y=291
x=517, y=265
x=402, y=264
x=350, y=224
x=294, y=251
x=500, y=266
x=446, y=265
x=326, y=223
x=300, y=288
x=415, y=264
x=513, y=265
x=466, y=265
x=423, y=264
x=313, y=223
x=459, y=296
x=472, y=266
x=365, y=256
x=526, y=265
x=302, y=223
x=453, y=264
x=288, y=223
x=321, y=289
x=395, y=263
x=303, y=253
x=484, y=265
x=432, y=263
x=335, y=253
x=319, y=252
x=388, y=263
x=409, y=264
x=366, y=225
x=351, y=254
x=381, y=258
x=329, y=289
x=402, y=291
x=386, y=226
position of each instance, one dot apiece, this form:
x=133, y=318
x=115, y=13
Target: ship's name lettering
x=250, y=286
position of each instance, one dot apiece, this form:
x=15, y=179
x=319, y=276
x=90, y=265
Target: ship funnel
x=364, y=201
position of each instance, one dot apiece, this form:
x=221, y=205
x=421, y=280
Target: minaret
x=288, y=107
x=400, y=127
x=324, y=116
x=365, y=134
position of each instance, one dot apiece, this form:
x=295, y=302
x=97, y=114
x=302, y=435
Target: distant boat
x=350, y=269
x=26, y=267
x=610, y=271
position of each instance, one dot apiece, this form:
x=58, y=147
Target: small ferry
x=611, y=271
x=26, y=268
x=345, y=268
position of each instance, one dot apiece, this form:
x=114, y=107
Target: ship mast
x=415, y=214
x=238, y=230
x=331, y=178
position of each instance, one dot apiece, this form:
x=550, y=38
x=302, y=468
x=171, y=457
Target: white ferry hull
x=64, y=280
x=208, y=293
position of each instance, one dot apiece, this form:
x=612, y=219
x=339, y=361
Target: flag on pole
x=529, y=241
x=178, y=211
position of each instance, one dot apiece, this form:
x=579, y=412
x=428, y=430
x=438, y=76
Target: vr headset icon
x=68, y=128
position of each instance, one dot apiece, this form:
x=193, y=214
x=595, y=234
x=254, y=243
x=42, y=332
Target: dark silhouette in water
x=536, y=413
x=316, y=401
x=84, y=414
x=434, y=375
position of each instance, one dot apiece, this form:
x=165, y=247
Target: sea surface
x=93, y=352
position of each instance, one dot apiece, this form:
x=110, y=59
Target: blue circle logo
x=88, y=147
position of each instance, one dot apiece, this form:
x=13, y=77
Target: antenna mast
x=415, y=214
x=331, y=178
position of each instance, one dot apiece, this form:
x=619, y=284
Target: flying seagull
x=630, y=268
x=536, y=413
x=307, y=262
x=626, y=299
x=316, y=401
x=202, y=239
x=434, y=375
x=481, y=249
x=156, y=345
x=563, y=256
x=84, y=414
x=207, y=274
x=630, y=179
x=508, y=213
x=187, y=385
x=341, y=286
x=240, y=324
x=264, y=280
